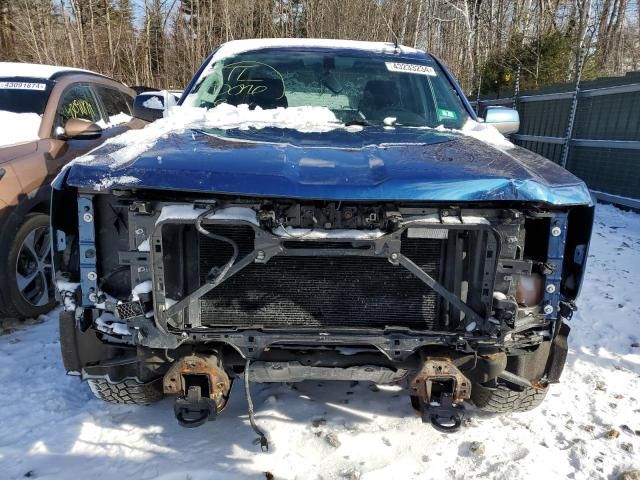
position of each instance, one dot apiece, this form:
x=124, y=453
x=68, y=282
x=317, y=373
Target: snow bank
x=335, y=430
x=18, y=127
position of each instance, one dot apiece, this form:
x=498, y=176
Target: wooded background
x=488, y=44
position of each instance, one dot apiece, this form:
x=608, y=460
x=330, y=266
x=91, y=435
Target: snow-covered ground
x=589, y=426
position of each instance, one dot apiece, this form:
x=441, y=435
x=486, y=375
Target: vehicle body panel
x=375, y=164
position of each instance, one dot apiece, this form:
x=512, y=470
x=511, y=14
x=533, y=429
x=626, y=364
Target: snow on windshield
x=18, y=127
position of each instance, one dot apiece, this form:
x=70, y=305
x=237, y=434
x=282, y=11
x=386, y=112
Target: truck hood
x=403, y=164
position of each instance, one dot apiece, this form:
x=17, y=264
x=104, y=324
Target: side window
x=77, y=102
x=118, y=105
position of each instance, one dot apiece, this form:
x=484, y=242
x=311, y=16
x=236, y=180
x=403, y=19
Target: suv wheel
x=31, y=291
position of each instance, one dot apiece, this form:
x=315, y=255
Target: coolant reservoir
x=529, y=290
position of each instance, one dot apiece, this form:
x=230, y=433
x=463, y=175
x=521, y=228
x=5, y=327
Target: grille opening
x=319, y=292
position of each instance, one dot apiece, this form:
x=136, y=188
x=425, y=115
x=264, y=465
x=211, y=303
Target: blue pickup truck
x=319, y=210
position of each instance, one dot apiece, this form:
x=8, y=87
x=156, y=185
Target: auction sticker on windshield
x=23, y=85
x=410, y=68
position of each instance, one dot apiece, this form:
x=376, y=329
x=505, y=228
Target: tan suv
x=48, y=116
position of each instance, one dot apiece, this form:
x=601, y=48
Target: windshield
x=19, y=95
x=367, y=90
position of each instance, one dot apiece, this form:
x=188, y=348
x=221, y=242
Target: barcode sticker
x=410, y=68
x=23, y=86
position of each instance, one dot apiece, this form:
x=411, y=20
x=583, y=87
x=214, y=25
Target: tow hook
x=440, y=389
x=194, y=410
x=202, y=387
x=445, y=416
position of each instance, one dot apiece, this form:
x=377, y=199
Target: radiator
x=318, y=292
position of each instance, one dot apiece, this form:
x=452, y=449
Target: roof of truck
x=236, y=47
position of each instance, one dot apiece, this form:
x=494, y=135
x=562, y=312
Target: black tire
x=130, y=392
x=28, y=302
x=502, y=399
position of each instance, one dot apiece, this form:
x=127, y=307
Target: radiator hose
x=217, y=277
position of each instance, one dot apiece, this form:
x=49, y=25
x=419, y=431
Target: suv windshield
x=20, y=95
x=357, y=89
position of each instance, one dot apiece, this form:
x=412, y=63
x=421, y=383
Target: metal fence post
x=569, y=132
x=516, y=89
x=576, y=93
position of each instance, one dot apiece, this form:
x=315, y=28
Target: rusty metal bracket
x=204, y=371
x=438, y=370
x=441, y=388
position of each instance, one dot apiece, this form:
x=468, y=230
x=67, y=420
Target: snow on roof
x=11, y=69
x=236, y=47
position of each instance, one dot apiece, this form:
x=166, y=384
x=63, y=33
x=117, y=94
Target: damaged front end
x=199, y=290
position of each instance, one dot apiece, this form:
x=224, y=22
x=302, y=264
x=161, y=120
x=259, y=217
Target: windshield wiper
x=358, y=121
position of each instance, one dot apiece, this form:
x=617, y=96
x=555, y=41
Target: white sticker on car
x=23, y=85
x=410, y=68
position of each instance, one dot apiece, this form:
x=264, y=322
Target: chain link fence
x=604, y=144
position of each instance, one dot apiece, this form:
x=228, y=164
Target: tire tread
x=503, y=399
x=130, y=391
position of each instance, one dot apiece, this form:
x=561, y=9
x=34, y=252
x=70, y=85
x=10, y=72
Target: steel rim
x=34, y=270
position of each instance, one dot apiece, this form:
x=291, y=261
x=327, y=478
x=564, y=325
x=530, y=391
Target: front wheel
x=502, y=399
x=129, y=391
x=29, y=269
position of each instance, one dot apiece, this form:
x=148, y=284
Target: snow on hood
x=484, y=132
x=306, y=119
x=108, y=182
x=224, y=116
x=18, y=127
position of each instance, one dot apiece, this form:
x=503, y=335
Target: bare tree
x=484, y=42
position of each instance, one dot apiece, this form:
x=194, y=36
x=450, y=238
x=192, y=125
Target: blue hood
x=374, y=164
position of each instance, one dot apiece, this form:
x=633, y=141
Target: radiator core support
x=379, y=268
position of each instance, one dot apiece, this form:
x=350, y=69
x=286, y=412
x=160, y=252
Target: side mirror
x=506, y=120
x=79, y=129
x=149, y=106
